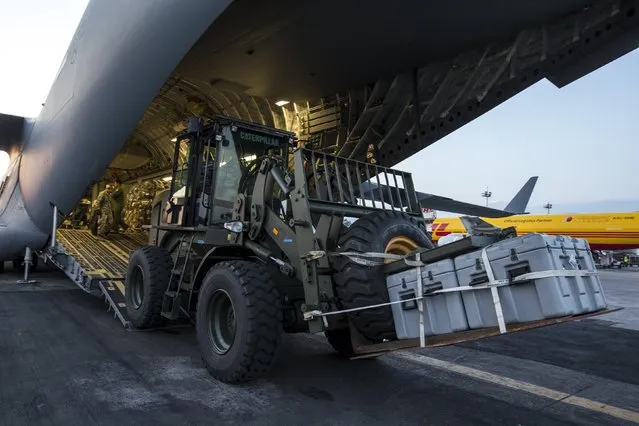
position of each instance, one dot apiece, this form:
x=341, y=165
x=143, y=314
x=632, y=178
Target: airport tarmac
x=65, y=360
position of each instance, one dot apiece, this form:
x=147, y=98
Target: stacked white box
x=526, y=301
x=587, y=291
x=443, y=313
x=521, y=302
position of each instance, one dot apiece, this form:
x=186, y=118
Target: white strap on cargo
x=492, y=284
x=361, y=258
x=420, y=305
x=494, y=291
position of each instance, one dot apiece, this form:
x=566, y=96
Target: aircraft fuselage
x=603, y=231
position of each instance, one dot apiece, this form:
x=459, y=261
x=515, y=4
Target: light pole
x=548, y=206
x=486, y=194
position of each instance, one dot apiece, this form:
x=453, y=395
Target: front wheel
x=239, y=321
x=147, y=278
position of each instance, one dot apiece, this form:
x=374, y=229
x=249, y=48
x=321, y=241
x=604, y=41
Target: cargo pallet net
x=492, y=285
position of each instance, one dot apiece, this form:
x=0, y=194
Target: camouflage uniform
x=117, y=204
x=137, y=211
x=103, y=213
x=78, y=217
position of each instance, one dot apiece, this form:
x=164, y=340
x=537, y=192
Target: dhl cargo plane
x=603, y=231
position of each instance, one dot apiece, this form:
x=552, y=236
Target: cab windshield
x=237, y=154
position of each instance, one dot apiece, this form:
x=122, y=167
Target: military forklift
x=247, y=243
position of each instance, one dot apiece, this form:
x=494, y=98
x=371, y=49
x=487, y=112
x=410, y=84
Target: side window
x=207, y=171
x=181, y=168
x=227, y=180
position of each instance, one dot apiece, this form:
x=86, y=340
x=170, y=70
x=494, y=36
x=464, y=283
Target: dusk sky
x=581, y=140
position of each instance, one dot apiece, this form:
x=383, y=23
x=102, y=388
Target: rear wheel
x=147, y=279
x=358, y=285
x=340, y=340
x=239, y=321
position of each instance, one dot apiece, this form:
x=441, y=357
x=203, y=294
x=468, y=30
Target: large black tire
x=246, y=347
x=147, y=278
x=358, y=285
x=340, y=340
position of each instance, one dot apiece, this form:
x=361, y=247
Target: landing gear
x=30, y=261
x=147, y=278
x=239, y=321
x=19, y=263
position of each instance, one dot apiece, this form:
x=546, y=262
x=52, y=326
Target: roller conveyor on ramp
x=97, y=264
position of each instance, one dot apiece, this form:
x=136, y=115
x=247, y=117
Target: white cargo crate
x=444, y=313
x=559, y=280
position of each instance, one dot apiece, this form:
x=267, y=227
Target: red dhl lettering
x=439, y=231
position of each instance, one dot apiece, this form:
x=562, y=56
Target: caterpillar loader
x=248, y=243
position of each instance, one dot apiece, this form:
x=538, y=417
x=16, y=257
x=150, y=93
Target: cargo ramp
x=97, y=264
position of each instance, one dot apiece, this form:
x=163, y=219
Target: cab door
x=192, y=181
x=228, y=175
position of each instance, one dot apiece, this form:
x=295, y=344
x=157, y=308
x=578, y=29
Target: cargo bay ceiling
x=394, y=75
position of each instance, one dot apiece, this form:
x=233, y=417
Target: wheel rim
x=400, y=246
x=137, y=287
x=221, y=321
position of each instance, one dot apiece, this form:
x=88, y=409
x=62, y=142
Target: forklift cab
x=210, y=165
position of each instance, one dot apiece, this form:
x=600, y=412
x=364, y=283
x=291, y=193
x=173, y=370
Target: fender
x=218, y=254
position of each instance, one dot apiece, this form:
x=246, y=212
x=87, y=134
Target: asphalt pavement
x=65, y=360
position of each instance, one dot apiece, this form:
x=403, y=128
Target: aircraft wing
x=437, y=202
x=387, y=194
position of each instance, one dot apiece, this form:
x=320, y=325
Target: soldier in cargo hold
x=79, y=215
x=102, y=214
x=117, y=204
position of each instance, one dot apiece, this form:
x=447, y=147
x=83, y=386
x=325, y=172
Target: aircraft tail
x=519, y=203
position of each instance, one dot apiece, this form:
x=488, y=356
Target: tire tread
x=264, y=325
x=357, y=285
x=160, y=264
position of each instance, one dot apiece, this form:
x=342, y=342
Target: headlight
x=235, y=226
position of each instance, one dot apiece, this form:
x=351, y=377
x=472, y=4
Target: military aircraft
x=343, y=76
